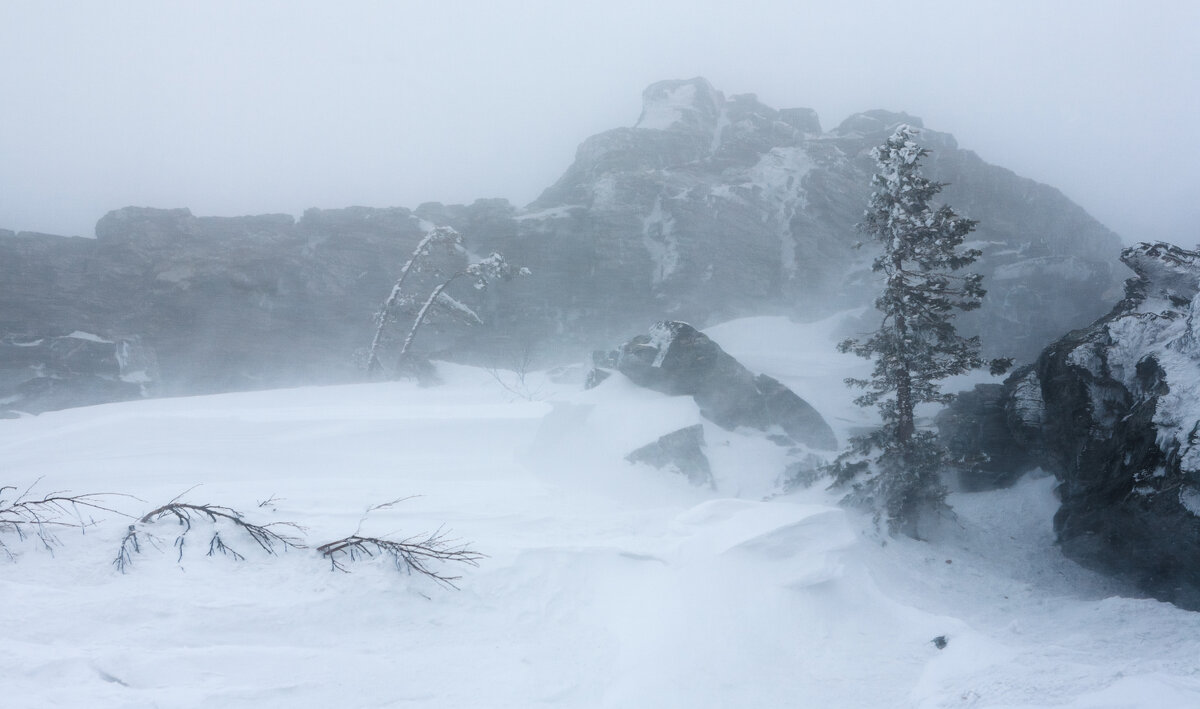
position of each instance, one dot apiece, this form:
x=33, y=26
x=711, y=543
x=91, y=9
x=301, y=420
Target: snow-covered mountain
x=606, y=583
x=707, y=208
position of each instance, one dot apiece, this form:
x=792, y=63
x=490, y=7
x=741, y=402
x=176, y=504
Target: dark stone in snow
x=680, y=452
x=595, y=377
x=1113, y=410
x=676, y=358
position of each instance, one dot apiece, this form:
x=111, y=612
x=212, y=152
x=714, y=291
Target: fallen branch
x=25, y=515
x=184, y=513
x=411, y=554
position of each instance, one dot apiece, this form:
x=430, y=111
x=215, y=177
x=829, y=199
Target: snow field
x=606, y=584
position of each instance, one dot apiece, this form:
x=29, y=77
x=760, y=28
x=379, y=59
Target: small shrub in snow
x=515, y=380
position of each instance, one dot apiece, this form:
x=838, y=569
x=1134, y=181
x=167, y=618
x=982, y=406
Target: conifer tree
x=896, y=468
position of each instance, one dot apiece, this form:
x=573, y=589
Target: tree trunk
x=905, y=423
x=423, y=312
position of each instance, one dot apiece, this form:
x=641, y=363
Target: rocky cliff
x=1114, y=411
x=708, y=207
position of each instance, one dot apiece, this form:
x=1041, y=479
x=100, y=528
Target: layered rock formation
x=709, y=207
x=1114, y=411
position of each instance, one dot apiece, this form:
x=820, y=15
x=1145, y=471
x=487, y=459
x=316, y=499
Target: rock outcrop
x=1114, y=411
x=680, y=452
x=708, y=207
x=679, y=360
x=77, y=369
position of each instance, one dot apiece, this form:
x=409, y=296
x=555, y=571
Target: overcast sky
x=253, y=107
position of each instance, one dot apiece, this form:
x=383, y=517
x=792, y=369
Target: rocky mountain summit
x=708, y=207
x=1113, y=410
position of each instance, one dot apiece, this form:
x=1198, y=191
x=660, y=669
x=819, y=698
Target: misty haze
x=766, y=355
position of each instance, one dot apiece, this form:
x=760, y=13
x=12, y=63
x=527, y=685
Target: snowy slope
x=606, y=584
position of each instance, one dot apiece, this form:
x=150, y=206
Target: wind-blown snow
x=607, y=584
x=658, y=235
x=551, y=213
x=662, y=113
x=779, y=175
x=80, y=335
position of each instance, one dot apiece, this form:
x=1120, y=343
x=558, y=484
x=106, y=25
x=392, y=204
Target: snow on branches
x=916, y=344
x=480, y=273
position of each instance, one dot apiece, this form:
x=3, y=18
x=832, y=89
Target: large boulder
x=676, y=358
x=1114, y=411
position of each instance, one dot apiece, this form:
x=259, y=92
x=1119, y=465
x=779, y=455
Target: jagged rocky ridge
x=1113, y=410
x=709, y=207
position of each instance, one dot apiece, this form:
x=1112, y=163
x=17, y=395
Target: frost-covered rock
x=677, y=359
x=680, y=452
x=1114, y=411
x=52, y=372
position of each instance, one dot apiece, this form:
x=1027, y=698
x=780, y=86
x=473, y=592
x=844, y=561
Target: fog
x=236, y=108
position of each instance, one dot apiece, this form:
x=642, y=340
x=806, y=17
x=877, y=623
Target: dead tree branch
x=267, y=536
x=417, y=553
x=24, y=514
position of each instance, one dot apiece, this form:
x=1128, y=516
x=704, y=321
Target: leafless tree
x=438, y=236
x=480, y=273
x=515, y=380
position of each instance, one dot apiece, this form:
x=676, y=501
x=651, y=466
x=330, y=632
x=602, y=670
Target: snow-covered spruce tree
x=896, y=469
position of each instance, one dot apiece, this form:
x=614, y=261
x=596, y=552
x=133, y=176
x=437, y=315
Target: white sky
x=252, y=107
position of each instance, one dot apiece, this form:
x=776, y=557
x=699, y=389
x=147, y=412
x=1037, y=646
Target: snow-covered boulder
x=1114, y=411
x=676, y=358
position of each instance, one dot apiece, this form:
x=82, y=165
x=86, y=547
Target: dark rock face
x=78, y=369
x=1114, y=411
x=677, y=359
x=227, y=304
x=680, y=452
x=977, y=431
x=709, y=207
